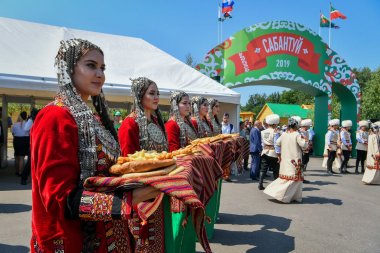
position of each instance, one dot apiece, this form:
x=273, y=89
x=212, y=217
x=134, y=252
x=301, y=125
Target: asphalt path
x=338, y=214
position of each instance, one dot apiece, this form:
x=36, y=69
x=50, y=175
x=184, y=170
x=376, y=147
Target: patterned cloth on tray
x=193, y=187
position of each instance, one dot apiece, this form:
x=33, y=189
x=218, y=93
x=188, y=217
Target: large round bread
x=140, y=166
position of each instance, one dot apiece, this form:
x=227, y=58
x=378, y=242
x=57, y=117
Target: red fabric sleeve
x=55, y=163
x=129, y=136
x=173, y=132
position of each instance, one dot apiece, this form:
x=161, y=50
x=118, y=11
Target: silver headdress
x=187, y=129
x=149, y=134
x=89, y=128
x=216, y=126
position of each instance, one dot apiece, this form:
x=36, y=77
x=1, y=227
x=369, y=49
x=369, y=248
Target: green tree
x=335, y=107
x=274, y=97
x=296, y=97
x=370, y=97
x=363, y=75
x=255, y=103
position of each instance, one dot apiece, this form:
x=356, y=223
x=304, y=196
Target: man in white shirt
x=227, y=127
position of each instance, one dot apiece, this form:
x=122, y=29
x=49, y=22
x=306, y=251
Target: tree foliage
x=335, y=107
x=370, y=97
x=363, y=75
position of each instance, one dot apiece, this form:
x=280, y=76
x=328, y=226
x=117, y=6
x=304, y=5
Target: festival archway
x=287, y=54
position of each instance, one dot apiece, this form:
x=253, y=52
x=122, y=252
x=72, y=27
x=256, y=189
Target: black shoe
x=261, y=187
x=329, y=173
x=347, y=172
x=228, y=180
x=23, y=181
x=356, y=172
x=254, y=178
x=306, y=181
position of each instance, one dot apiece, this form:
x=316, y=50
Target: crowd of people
x=285, y=151
x=71, y=141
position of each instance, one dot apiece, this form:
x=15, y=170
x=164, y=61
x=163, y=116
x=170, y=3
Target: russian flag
x=227, y=6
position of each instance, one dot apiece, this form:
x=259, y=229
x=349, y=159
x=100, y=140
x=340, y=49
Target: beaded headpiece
x=89, y=128
x=139, y=86
x=175, y=98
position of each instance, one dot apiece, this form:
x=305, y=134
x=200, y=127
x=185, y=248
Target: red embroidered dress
x=174, y=134
x=148, y=235
x=206, y=129
x=55, y=174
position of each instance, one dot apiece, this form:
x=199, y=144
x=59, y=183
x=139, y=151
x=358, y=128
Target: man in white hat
x=346, y=144
x=269, y=158
x=305, y=125
x=372, y=172
x=332, y=144
x=361, y=145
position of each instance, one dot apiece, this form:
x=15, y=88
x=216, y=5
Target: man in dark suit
x=255, y=149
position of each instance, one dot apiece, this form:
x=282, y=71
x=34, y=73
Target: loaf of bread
x=140, y=166
x=158, y=172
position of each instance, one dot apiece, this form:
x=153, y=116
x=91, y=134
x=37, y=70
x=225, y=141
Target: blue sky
x=179, y=27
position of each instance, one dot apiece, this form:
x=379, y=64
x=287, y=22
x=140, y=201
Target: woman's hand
x=143, y=194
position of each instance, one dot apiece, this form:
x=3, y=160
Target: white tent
x=27, y=73
x=28, y=49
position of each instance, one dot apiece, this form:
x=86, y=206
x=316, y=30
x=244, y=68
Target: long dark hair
x=101, y=109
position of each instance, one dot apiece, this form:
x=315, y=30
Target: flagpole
x=319, y=26
x=221, y=23
x=219, y=16
x=330, y=27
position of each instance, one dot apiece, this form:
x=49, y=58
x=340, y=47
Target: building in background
x=284, y=111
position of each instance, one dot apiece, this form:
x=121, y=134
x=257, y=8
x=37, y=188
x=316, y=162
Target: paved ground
x=338, y=214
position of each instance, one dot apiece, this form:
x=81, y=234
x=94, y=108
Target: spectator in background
x=3, y=131
x=255, y=149
x=248, y=125
x=20, y=142
x=117, y=120
x=245, y=135
x=28, y=125
x=361, y=145
x=227, y=127
x=311, y=137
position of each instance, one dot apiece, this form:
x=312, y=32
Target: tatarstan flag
x=334, y=14
x=325, y=22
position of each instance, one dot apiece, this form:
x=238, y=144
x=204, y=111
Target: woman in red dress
x=179, y=127
x=199, y=106
x=144, y=129
x=68, y=145
x=213, y=111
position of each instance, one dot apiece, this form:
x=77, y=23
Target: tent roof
x=28, y=49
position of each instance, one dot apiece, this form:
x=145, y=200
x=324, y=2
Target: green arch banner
x=287, y=54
